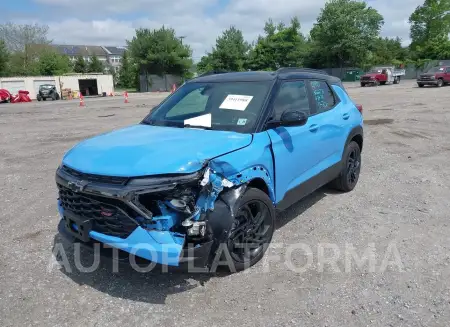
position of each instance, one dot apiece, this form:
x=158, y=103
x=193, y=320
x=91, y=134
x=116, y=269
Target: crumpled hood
x=142, y=150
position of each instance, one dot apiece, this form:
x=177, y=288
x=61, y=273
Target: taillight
x=360, y=108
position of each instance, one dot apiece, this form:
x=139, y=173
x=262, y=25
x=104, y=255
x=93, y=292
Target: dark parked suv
x=47, y=91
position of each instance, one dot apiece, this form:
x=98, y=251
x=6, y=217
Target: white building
x=87, y=84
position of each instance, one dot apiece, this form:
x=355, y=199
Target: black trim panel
x=357, y=130
x=296, y=194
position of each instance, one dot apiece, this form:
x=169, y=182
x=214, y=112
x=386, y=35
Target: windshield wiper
x=197, y=126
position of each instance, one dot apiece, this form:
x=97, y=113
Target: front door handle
x=313, y=128
x=346, y=116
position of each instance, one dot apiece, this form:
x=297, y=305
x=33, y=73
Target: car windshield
x=46, y=87
x=226, y=106
x=375, y=71
x=436, y=70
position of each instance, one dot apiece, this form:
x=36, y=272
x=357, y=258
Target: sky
x=111, y=22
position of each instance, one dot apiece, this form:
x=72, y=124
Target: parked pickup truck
x=199, y=180
x=381, y=76
x=437, y=76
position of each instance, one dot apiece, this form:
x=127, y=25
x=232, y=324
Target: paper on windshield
x=203, y=120
x=236, y=102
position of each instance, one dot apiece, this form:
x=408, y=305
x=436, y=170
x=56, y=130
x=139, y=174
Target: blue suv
x=200, y=179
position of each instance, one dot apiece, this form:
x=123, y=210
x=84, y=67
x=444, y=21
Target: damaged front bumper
x=166, y=220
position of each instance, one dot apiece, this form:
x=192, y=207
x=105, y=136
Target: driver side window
x=293, y=96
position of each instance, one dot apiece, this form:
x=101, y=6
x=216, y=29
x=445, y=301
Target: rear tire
x=363, y=84
x=351, y=167
x=383, y=83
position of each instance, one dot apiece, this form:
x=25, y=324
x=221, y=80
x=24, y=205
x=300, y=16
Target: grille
x=95, y=178
x=365, y=78
x=107, y=218
x=425, y=77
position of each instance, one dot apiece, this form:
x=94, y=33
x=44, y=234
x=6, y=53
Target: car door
x=294, y=147
x=447, y=75
x=329, y=124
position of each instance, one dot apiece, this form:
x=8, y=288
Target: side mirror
x=293, y=118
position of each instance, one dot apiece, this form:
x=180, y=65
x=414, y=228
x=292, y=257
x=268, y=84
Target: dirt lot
x=400, y=206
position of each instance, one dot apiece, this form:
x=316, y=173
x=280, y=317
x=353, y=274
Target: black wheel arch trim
x=357, y=130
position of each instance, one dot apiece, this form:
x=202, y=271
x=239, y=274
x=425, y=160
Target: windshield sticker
x=203, y=121
x=236, y=102
x=242, y=121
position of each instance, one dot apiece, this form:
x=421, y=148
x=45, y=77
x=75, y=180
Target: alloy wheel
x=251, y=231
x=353, y=166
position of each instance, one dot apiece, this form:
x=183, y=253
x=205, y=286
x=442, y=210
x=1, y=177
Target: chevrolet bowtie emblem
x=77, y=186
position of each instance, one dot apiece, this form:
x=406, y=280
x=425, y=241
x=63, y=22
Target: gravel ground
x=398, y=212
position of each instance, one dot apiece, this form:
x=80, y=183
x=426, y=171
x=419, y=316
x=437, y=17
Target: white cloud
x=190, y=19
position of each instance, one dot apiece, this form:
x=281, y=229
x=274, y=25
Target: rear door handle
x=346, y=116
x=313, y=128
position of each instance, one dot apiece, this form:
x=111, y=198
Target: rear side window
x=323, y=96
x=447, y=70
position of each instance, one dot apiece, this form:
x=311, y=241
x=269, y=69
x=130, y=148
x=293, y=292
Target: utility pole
x=181, y=38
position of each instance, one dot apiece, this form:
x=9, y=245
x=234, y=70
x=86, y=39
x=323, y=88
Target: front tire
x=440, y=82
x=351, y=167
x=420, y=85
x=252, y=229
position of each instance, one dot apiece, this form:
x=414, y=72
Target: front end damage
x=170, y=219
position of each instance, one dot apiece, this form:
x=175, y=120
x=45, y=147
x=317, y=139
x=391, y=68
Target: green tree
x=25, y=42
x=282, y=46
x=80, y=65
x=160, y=51
x=4, y=59
x=344, y=32
x=430, y=26
x=51, y=63
x=127, y=73
x=387, y=51
x=95, y=65
x=229, y=54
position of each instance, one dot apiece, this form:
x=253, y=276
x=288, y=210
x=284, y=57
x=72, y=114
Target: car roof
x=255, y=76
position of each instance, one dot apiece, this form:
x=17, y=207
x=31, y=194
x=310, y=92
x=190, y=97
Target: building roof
x=115, y=50
x=83, y=50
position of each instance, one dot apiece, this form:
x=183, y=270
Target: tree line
x=345, y=34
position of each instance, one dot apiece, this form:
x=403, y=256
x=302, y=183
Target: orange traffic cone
x=81, y=100
x=111, y=94
x=125, y=94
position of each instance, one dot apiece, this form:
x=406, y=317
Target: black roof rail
x=213, y=72
x=299, y=70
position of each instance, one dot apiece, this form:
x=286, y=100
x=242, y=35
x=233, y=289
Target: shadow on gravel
x=300, y=207
x=123, y=281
